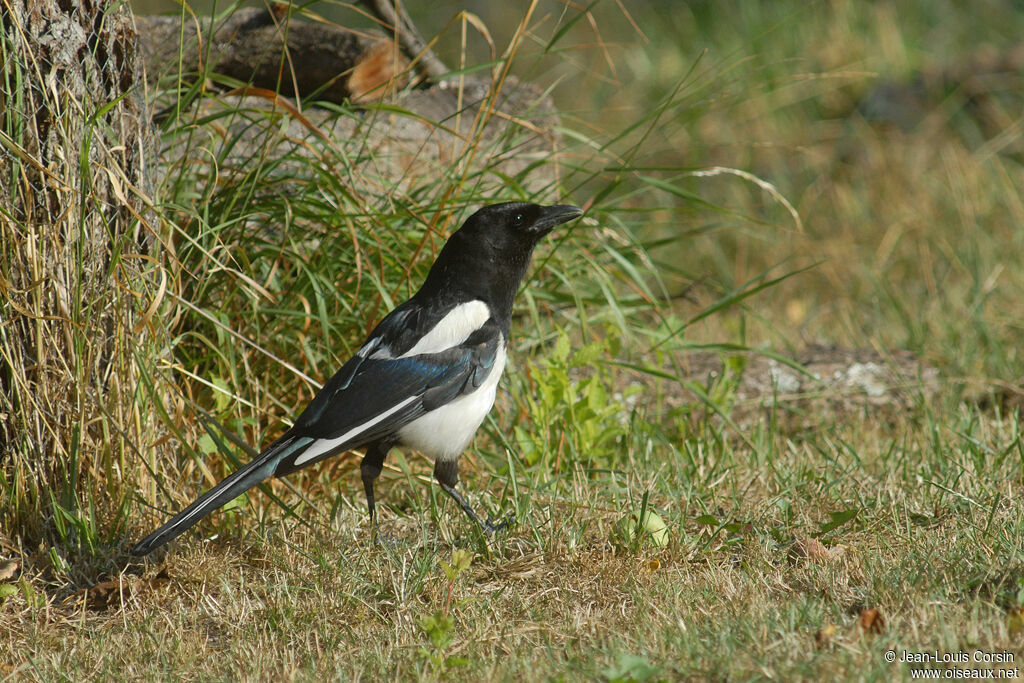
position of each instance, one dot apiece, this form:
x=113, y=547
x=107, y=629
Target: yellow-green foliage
x=748, y=190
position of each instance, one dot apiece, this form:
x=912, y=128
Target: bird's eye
x=517, y=219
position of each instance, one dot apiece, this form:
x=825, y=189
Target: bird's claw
x=384, y=540
x=490, y=526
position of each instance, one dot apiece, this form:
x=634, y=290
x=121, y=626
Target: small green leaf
x=630, y=668
x=837, y=520
x=236, y=503
x=461, y=560
x=206, y=444
x=588, y=354
x=222, y=398
x=561, y=351
x=629, y=531
x=656, y=528
x=33, y=598
x=438, y=627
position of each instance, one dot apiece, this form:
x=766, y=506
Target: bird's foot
x=490, y=526
x=380, y=538
x=384, y=540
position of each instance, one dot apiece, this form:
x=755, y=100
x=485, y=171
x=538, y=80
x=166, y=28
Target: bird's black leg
x=370, y=468
x=447, y=474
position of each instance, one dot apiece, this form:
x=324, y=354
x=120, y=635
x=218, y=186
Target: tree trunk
x=76, y=292
x=82, y=285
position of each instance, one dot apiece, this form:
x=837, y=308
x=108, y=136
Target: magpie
x=424, y=379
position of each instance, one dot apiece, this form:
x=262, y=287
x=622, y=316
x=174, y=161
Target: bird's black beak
x=550, y=216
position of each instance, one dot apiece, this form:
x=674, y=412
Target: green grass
x=908, y=237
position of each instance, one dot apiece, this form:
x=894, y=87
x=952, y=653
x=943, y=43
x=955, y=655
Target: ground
x=665, y=362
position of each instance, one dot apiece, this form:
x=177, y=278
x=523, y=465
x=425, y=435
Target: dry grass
x=555, y=598
x=77, y=286
x=798, y=549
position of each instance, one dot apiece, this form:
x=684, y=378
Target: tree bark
x=75, y=224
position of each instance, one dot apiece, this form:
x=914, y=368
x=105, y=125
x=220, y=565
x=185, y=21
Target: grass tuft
x=755, y=180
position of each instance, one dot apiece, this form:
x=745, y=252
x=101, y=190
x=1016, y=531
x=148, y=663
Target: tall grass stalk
x=283, y=260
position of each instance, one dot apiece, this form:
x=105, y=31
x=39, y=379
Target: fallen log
x=275, y=50
x=493, y=129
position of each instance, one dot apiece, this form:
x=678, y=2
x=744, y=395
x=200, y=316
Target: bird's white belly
x=443, y=433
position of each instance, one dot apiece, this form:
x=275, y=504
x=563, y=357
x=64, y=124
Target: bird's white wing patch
x=321, y=446
x=453, y=329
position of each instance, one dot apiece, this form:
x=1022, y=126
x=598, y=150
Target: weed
x=439, y=626
x=785, y=522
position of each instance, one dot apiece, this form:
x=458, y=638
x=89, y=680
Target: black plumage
x=426, y=376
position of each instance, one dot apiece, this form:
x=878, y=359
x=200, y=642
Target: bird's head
x=487, y=257
x=512, y=229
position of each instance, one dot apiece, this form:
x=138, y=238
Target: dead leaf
x=113, y=593
x=8, y=570
x=825, y=635
x=379, y=66
x=871, y=621
x=103, y=594
x=814, y=550
x=160, y=579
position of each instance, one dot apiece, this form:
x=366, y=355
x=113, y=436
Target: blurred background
x=893, y=129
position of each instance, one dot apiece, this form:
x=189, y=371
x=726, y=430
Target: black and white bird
x=425, y=378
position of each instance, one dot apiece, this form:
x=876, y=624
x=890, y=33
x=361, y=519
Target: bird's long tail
x=262, y=467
